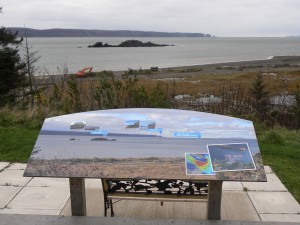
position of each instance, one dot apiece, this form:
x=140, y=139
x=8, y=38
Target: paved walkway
x=243, y=201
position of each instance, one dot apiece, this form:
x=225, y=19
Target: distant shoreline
x=60, y=32
x=273, y=63
x=280, y=62
x=256, y=62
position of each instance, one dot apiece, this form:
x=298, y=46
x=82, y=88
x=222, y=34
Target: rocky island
x=128, y=43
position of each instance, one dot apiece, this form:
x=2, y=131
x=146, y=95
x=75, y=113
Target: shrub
x=273, y=137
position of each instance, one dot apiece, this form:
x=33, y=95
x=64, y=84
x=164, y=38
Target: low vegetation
x=18, y=132
x=280, y=149
x=185, y=70
x=17, y=143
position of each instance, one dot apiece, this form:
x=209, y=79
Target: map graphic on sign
x=198, y=164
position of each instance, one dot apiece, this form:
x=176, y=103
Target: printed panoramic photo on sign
x=147, y=143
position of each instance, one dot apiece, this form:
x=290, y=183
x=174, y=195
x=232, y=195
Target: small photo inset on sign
x=145, y=125
x=132, y=124
x=77, y=125
x=231, y=157
x=91, y=128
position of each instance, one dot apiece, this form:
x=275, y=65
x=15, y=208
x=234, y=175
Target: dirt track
x=274, y=64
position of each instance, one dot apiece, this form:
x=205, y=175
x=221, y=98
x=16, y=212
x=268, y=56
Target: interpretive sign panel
x=147, y=143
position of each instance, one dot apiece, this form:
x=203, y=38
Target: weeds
x=185, y=70
x=273, y=137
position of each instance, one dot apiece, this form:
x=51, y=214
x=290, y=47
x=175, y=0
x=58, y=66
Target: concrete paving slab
x=13, y=178
x=90, y=220
x=236, y=205
x=281, y=217
x=232, y=186
x=268, y=169
x=40, y=198
x=31, y=211
x=7, y=193
x=17, y=166
x=48, y=182
x=93, y=183
x=274, y=202
x=273, y=184
x=3, y=165
x=154, y=209
x=94, y=203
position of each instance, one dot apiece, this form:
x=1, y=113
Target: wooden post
x=214, y=200
x=77, y=192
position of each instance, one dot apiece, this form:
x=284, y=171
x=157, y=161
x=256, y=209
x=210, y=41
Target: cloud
x=218, y=17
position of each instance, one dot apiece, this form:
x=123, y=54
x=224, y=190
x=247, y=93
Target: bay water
x=73, y=53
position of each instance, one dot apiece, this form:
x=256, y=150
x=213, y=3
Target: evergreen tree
x=30, y=58
x=260, y=95
x=12, y=76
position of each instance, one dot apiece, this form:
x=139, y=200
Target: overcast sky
x=216, y=17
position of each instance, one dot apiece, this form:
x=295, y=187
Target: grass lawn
x=16, y=143
x=281, y=150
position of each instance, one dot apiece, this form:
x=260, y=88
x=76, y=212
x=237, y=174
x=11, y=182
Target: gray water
x=72, y=53
x=61, y=147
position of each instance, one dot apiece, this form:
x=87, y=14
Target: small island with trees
x=128, y=43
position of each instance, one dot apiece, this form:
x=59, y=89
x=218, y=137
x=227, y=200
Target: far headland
x=58, y=32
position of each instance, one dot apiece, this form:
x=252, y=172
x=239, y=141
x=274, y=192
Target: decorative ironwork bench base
x=153, y=190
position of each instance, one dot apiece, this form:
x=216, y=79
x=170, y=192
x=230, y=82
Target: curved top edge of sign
x=149, y=111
